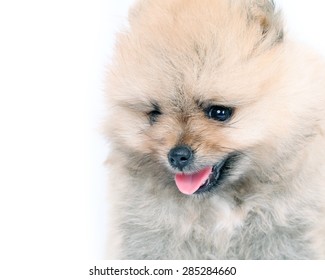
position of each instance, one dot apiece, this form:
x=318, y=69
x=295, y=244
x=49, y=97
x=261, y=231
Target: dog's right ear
x=265, y=14
x=136, y=10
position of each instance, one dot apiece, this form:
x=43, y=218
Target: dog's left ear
x=265, y=14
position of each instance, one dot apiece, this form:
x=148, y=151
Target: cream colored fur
x=177, y=53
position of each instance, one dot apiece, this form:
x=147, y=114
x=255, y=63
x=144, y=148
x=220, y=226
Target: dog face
x=202, y=91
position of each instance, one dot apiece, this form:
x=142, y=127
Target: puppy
x=217, y=132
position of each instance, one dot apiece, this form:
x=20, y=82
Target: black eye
x=153, y=115
x=219, y=113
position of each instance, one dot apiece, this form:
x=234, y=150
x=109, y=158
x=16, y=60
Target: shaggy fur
x=180, y=56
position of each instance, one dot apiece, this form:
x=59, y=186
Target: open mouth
x=204, y=180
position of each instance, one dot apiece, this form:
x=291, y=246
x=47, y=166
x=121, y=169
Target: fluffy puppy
x=216, y=125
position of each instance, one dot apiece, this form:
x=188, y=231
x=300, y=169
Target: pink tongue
x=190, y=183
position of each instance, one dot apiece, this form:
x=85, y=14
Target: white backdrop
x=53, y=56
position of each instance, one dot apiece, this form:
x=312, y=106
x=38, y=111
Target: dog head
x=204, y=91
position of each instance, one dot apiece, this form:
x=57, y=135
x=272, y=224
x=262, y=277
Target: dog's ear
x=260, y=12
x=136, y=10
x=265, y=14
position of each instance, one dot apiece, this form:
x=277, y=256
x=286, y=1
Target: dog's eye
x=219, y=113
x=153, y=116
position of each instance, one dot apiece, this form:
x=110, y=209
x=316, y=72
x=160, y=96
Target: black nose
x=180, y=156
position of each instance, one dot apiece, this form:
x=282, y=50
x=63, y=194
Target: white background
x=53, y=56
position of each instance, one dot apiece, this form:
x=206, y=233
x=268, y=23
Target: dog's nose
x=180, y=156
